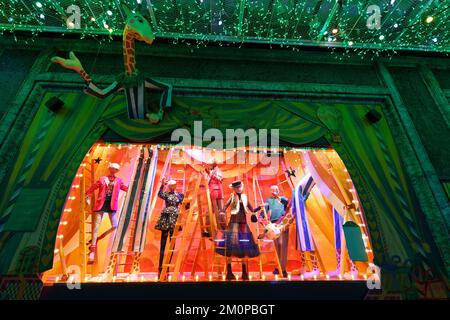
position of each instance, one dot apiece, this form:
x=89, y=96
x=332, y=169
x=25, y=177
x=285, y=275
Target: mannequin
x=278, y=206
x=107, y=202
x=216, y=193
x=238, y=239
x=169, y=215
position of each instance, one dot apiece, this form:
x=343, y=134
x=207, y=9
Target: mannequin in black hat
x=238, y=239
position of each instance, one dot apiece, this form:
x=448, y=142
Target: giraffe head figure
x=137, y=26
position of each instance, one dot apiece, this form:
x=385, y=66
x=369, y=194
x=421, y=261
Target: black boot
x=244, y=272
x=230, y=275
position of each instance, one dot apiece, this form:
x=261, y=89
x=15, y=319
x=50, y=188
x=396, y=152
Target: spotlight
x=54, y=104
x=373, y=116
x=429, y=19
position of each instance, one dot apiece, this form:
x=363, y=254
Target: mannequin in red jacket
x=107, y=201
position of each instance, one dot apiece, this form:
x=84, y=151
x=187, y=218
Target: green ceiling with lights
x=353, y=24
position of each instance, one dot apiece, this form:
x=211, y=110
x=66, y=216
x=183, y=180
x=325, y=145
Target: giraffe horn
x=126, y=9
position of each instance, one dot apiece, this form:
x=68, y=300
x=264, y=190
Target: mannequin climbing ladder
x=187, y=222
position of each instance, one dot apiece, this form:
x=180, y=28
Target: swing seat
x=354, y=242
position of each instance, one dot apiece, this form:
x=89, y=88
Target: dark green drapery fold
x=301, y=127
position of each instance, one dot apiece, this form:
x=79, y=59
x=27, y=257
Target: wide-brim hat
x=114, y=165
x=236, y=184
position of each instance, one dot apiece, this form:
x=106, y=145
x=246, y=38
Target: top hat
x=236, y=184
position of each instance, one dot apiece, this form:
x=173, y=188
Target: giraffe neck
x=128, y=52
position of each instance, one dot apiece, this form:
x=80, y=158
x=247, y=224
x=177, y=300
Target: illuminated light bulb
x=362, y=225
x=142, y=278
x=435, y=40
x=276, y=277
x=392, y=2
x=302, y=277
x=60, y=236
x=223, y=277
x=353, y=277
x=220, y=22
x=325, y=33
x=156, y=279
x=56, y=251
x=56, y=279
x=183, y=278
x=315, y=277
x=327, y=277
x=429, y=19
x=109, y=13
x=42, y=16
x=396, y=25
x=237, y=277
x=250, y=277
x=365, y=277
x=350, y=43
x=263, y=277
x=92, y=19
x=289, y=277
x=335, y=30
x=139, y=1
x=114, y=278
x=340, y=277
x=170, y=278
x=196, y=278
x=381, y=37
x=106, y=27
x=38, y=4
x=210, y=277
x=10, y=19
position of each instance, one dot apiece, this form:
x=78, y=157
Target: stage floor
x=201, y=277
x=220, y=290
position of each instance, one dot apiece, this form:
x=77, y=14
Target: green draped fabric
x=368, y=151
x=299, y=127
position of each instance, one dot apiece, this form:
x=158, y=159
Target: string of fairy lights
x=402, y=24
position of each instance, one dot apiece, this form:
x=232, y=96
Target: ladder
x=205, y=221
x=86, y=219
x=187, y=221
x=119, y=256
